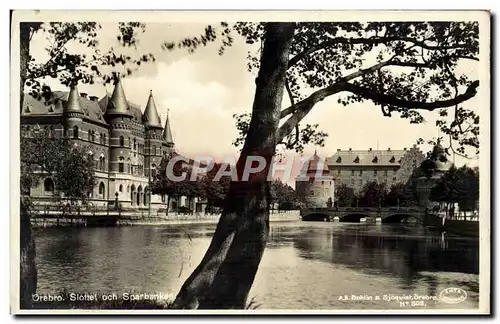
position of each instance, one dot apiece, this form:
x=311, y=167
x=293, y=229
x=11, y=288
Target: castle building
x=126, y=144
x=355, y=168
x=315, y=186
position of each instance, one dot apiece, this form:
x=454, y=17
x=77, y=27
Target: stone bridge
x=360, y=214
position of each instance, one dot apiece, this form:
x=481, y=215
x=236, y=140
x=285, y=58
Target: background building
x=315, y=186
x=355, y=168
x=126, y=144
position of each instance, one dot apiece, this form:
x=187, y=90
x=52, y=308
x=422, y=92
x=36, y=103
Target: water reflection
x=306, y=265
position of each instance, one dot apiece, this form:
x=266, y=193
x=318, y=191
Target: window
x=75, y=132
x=48, y=186
x=104, y=139
x=360, y=172
x=135, y=143
x=414, y=163
x=375, y=160
x=352, y=172
x=120, y=164
x=89, y=135
x=392, y=160
x=129, y=143
x=154, y=149
x=375, y=172
x=51, y=131
x=339, y=160
x=122, y=141
x=153, y=170
x=338, y=171
x=129, y=166
x=121, y=188
x=356, y=160
x=385, y=173
x=102, y=163
x=101, y=189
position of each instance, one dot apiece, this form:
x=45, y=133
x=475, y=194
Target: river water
x=306, y=265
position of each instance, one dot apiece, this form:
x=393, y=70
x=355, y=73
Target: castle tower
x=73, y=114
x=119, y=116
x=153, y=140
x=315, y=185
x=167, y=139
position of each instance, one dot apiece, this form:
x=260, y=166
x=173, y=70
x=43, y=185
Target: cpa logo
x=453, y=295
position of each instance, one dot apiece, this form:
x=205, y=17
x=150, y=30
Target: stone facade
x=355, y=168
x=314, y=186
x=127, y=145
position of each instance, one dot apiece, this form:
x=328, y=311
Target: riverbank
x=171, y=219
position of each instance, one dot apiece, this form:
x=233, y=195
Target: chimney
x=388, y=149
x=370, y=149
x=338, y=150
x=404, y=149
x=350, y=149
x=83, y=94
x=93, y=98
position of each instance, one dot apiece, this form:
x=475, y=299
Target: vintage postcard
x=295, y=162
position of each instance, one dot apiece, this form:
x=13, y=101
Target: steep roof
x=150, y=118
x=315, y=163
x=366, y=157
x=117, y=104
x=73, y=102
x=167, y=132
x=440, y=155
x=55, y=106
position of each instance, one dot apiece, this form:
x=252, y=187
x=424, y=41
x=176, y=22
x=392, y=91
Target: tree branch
x=393, y=101
x=369, y=41
x=302, y=108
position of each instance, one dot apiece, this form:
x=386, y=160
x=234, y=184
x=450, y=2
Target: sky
x=202, y=91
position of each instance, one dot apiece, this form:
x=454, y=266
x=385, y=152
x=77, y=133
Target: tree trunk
x=226, y=273
x=28, y=271
x=168, y=203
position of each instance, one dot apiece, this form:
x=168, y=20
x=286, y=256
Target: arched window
x=89, y=135
x=129, y=143
x=102, y=163
x=104, y=139
x=154, y=149
x=129, y=166
x=48, y=186
x=135, y=143
x=120, y=164
x=153, y=170
x=121, y=188
x=122, y=141
x=75, y=132
x=101, y=190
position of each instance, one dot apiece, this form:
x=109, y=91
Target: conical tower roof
x=150, y=118
x=117, y=104
x=167, y=132
x=73, y=102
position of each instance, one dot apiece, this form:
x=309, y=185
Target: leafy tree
x=344, y=195
x=457, y=186
x=215, y=190
x=165, y=185
x=415, y=70
x=374, y=194
x=400, y=194
x=71, y=169
x=284, y=195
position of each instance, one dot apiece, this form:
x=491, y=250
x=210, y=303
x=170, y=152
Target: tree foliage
x=70, y=167
x=458, y=186
x=415, y=67
x=373, y=194
x=283, y=195
x=344, y=195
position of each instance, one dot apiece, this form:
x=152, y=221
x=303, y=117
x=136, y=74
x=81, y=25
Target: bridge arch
x=353, y=217
x=397, y=217
x=316, y=216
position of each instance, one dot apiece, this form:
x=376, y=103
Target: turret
x=150, y=118
x=73, y=114
x=167, y=138
x=153, y=142
x=119, y=118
